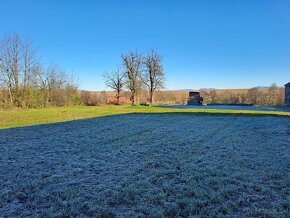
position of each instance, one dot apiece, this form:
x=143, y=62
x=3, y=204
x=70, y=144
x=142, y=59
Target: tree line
x=272, y=96
x=140, y=74
x=26, y=82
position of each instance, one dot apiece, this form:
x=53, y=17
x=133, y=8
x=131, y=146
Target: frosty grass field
x=148, y=165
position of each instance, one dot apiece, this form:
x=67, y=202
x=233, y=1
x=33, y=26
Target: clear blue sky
x=217, y=43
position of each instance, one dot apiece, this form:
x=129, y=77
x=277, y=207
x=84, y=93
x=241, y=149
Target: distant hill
x=207, y=89
x=266, y=87
x=180, y=90
x=188, y=90
x=261, y=88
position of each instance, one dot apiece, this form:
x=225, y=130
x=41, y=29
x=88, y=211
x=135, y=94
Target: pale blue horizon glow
x=205, y=43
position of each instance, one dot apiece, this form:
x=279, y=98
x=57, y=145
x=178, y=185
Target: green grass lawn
x=27, y=117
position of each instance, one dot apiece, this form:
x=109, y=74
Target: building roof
x=287, y=84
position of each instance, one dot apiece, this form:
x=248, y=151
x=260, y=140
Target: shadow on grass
x=174, y=164
x=231, y=107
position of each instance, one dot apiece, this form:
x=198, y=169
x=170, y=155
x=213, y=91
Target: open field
x=156, y=165
x=26, y=117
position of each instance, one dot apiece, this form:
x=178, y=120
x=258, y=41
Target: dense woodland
x=25, y=82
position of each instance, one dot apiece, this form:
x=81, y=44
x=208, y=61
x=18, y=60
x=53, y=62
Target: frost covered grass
x=232, y=107
x=28, y=117
x=148, y=165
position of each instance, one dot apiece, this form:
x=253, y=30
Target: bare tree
x=214, y=97
x=115, y=81
x=154, y=77
x=273, y=95
x=253, y=95
x=30, y=63
x=133, y=64
x=18, y=60
x=10, y=59
x=24, y=82
x=53, y=82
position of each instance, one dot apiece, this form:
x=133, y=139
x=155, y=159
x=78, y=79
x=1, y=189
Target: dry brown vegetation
x=273, y=96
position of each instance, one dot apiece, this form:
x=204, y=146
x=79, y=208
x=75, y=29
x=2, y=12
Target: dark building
x=287, y=94
x=194, y=98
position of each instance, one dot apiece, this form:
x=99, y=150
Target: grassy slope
x=28, y=117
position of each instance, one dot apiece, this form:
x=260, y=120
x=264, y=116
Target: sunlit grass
x=26, y=117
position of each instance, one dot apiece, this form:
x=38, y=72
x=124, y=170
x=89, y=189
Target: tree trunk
x=151, y=97
x=132, y=98
x=118, y=97
x=10, y=96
